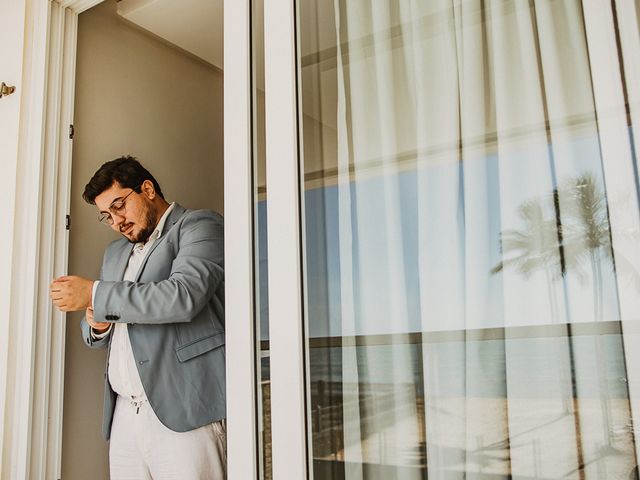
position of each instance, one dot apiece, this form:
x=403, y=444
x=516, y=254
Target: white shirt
x=123, y=373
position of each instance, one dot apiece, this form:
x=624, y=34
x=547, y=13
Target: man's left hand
x=71, y=293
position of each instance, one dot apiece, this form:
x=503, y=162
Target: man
x=159, y=308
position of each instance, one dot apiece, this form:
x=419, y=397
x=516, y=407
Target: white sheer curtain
x=471, y=198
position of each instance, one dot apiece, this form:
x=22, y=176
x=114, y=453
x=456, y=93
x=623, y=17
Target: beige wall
x=134, y=95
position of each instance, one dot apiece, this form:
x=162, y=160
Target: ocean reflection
x=483, y=409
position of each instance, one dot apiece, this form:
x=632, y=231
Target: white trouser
x=143, y=448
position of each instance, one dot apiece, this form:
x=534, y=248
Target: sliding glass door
x=462, y=282
x=454, y=260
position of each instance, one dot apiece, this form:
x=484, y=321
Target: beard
x=149, y=225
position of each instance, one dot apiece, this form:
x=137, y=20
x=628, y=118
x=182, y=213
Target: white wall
x=134, y=95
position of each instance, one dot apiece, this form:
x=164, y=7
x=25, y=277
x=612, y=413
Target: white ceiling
x=193, y=25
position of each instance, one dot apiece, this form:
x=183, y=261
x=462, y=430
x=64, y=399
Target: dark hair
x=126, y=170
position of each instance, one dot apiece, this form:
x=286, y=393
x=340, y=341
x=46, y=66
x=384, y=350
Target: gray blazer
x=175, y=312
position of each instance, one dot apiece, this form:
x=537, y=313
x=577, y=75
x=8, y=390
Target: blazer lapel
x=174, y=216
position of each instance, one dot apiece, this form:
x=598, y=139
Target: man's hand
x=71, y=293
x=98, y=327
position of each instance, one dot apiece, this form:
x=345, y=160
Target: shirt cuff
x=100, y=336
x=93, y=291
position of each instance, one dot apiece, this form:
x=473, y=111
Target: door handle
x=6, y=90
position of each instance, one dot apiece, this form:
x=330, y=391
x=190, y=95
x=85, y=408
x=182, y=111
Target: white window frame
x=238, y=205
x=31, y=422
x=286, y=322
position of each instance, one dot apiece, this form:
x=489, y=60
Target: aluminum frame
x=286, y=325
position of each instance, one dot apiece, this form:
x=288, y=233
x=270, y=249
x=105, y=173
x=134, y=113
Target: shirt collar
x=163, y=219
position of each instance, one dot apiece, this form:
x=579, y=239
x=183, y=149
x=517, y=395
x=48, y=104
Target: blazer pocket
x=204, y=345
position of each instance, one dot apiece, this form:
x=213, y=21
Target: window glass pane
x=260, y=241
x=465, y=276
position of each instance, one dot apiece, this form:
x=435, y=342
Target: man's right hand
x=98, y=327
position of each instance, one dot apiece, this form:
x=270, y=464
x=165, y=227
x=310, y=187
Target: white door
x=11, y=47
x=32, y=212
x=11, y=43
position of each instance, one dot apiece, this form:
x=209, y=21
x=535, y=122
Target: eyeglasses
x=119, y=207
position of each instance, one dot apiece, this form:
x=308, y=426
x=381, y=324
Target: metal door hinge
x=71, y=131
x=6, y=90
x=67, y=224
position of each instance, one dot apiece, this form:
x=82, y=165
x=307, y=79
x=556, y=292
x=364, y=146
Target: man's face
x=134, y=214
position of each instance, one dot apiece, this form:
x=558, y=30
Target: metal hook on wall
x=6, y=90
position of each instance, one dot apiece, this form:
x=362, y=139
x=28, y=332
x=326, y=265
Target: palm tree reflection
x=536, y=247
x=578, y=242
x=588, y=236
x=581, y=238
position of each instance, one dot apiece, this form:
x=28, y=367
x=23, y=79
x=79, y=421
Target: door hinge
x=71, y=131
x=67, y=223
x=6, y=90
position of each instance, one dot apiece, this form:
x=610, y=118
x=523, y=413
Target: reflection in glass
x=462, y=282
x=263, y=371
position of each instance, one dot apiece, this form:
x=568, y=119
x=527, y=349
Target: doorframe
x=32, y=429
x=32, y=413
x=285, y=234
x=242, y=429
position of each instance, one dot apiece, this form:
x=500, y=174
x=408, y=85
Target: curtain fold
x=472, y=209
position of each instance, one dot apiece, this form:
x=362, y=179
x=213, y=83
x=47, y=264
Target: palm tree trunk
x=553, y=302
x=563, y=378
x=601, y=370
x=600, y=287
x=594, y=285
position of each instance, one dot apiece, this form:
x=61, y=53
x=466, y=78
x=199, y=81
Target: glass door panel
x=462, y=276
x=261, y=285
